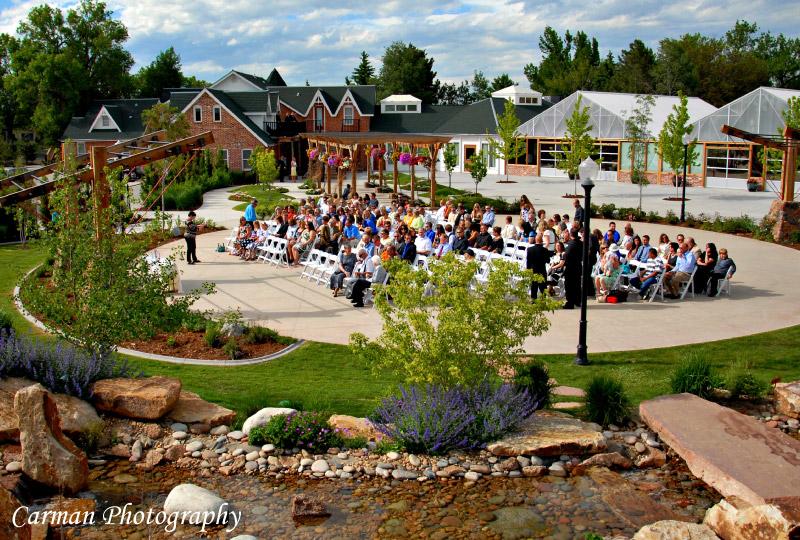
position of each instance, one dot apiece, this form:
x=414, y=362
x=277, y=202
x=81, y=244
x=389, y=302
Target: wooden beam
x=789, y=171
x=353, y=164
x=101, y=192
x=753, y=137
x=394, y=161
x=413, y=155
x=433, y=150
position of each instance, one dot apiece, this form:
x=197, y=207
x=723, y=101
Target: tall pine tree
x=364, y=73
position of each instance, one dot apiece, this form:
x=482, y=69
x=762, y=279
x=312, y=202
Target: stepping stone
x=567, y=405
x=735, y=454
x=550, y=434
x=568, y=391
x=630, y=504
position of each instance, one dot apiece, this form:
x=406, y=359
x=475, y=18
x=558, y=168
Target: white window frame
x=225, y=156
x=389, y=108
x=216, y=113
x=349, y=115
x=80, y=148
x=246, y=162
x=411, y=107
x=197, y=109
x=401, y=107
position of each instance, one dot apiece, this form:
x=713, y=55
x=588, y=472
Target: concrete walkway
x=764, y=297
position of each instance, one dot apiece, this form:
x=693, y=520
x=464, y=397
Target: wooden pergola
x=355, y=142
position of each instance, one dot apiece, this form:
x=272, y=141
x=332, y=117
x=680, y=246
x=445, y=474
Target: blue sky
x=321, y=41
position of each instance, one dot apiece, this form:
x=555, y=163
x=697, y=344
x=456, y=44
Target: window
x=608, y=155
x=730, y=162
x=348, y=115
x=488, y=154
x=217, y=114
x=412, y=108
x=531, y=152
x=224, y=153
x=389, y=108
x=81, y=148
x=198, y=114
x=401, y=108
x=246, y=159
x=104, y=121
x=551, y=154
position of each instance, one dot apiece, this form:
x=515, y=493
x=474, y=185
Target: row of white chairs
x=274, y=250
x=320, y=266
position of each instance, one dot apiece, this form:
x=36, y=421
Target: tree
x=364, y=73
x=670, y=140
x=461, y=333
x=634, y=70
x=263, y=162
x=163, y=116
x=638, y=134
x=450, y=157
x=508, y=145
x=549, y=76
x=477, y=168
x=480, y=86
x=674, y=70
x=500, y=82
x=408, y=70
x=163, y=72
x=193, y=82
x=577, y=144
x=450, y=94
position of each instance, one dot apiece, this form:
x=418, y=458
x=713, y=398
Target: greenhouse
x=608, y=112
x=731, y=162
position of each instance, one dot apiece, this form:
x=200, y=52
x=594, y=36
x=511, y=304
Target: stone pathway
x=735, y=454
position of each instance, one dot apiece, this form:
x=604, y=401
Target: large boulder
x=192, y=409
x=675, y=530
x=545, y=434
x=48, y=456
x=262, y=417
x=76, y=415
x=305, y=507
x=8, y=505
x=738, y=520
x=352, y=426
x=143, y=399
x=787, y=398
x=194, y=499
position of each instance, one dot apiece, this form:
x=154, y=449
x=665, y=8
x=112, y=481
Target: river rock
x=262, y=417
x=48, y=456
x=352, y=426
x=787, y=398
x=192, y=498
x=145, y=399
x=151, y=459
x=546, y=434
x=675, y=530
x=244, y=537
x=738, y=520
x=653, y=458
x=320, y=466
x=8, y=505
x=304, y=506
x=611, y=460
x=517, y=522
x=175, y=452
x=192, y=409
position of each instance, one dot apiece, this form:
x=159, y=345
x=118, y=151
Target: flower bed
x=188, y=344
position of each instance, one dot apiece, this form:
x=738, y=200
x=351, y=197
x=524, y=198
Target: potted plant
x=753, y=184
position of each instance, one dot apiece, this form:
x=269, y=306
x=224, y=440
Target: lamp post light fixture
x=587, y=170
x=687, y=139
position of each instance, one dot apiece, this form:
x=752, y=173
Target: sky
x=321, y=41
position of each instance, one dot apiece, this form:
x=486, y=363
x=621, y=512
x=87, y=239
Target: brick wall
x=332, y=123
x=522, y=170
x=229, y=133
x=666, y=178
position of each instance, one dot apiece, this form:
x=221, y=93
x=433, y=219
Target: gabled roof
x=184, y=100
x=275, y=79
x=127, y=114
x=300, y=98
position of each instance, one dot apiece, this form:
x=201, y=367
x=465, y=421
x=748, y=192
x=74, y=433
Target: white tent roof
x=515, y=90
x=759, y=111
x=608, y=111
x=401, y=98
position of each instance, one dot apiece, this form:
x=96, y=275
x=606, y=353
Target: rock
x=9, y=424
x=153, y=431
x=611, y=460
x=125, y=478
x=557, y=469
x=392, y=456
x=48, y=456
x=544, y=434
x=236, y=435
x=192, y=498
x=480, y=468
x=244, y=537
x=175, y=452
x=268, y=448
x=402, y=474
x=640, y=447
x=414, y=461
x=652, y=459
x=737, y=520
x=320, y=466
x=119, y=450
x=180, y=435
x=251, y=456
x=675, y=530
x=262, y=417
x=510, y=464
x=195, y=446
x=534, y=471
x=73, y=507
x=199, y=428
x=151, y=460
x=233, y=329
x=352, y=426
x=145, y=399
x=517, y=522
x=220, y=430
x=8, y=505
x=472, y=475
x=304, y=507
x=630, y=439
x=179, y=426
x=787, y=398
x=192, y=409
x=136, y=451
x=14, y=467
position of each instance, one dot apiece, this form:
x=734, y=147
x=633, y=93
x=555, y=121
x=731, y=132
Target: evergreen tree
x=364, y=73
x=500, y=82
x=577, y=144
x=634, y=71
x=408, y=70
x=163, y=72
x=480, y=86
x=670, y=140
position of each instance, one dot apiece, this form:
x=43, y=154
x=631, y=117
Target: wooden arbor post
x=433, y=149
x=101, y=192
x=789, y=168
x=394, y=161
x=327, y=169
x=381, y=161
x=413, y=179
x=354, y=149
x=340, y=174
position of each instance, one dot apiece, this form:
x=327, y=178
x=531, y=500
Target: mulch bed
x=192, y=345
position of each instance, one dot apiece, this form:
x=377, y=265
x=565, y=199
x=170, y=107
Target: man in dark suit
x=536, y=260
x=572, y=270
x=460, y=244
x=407, y=250
x=578, y=211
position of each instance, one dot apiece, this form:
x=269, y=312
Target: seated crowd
x=364, y=234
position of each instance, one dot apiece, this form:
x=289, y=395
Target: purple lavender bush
x=434, y=419
x=58, y=366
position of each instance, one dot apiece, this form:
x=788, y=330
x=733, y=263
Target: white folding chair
x=279, y=256
x=311, y=265
x=420, y=262
x=724, y=285
x=687, y=285
x=264, y=249
x=657, y=288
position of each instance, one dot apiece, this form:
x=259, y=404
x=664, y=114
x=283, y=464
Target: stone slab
x=568, y=391
x=735, y=454
x=787, y=398
x=192, y=409
x=567, y=405
x=629, y=503
x=545, y=434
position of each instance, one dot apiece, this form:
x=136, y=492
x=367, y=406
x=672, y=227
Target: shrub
x=6, y=323
x=606, y=401
x=352, y=443
x=433, y=419
x=232, y=349
x=535, y=378
x=386, y=445
x=306, y=430
x=92, y=438
x=171, y=341
x=260, y=334
x=58, y=366
x=695, y=376
x=743, y=383
x=213, y=335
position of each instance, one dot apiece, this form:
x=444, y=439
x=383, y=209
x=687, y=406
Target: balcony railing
x=318, y=126
x=281, y=128
x=350, y=125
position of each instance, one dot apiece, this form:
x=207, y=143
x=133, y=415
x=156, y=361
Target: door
x=319, y=118
x=469, y=151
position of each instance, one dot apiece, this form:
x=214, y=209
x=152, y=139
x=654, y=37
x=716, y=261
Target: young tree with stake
x=577, y=144
x=508, y=144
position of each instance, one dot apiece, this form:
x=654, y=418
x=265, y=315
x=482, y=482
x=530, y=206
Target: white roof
x=401, y=98
x=515, y=90
x=782, y=93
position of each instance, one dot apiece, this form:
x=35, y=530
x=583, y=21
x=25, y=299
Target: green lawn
x=327, y=377
x=267, y=198
x=422, y=186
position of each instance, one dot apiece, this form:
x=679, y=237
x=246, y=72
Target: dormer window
x=401, y=104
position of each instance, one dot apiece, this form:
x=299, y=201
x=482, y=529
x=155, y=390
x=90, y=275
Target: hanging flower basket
x=345, y=164
x=377, y=152
x=334, y=160
x=323, y=157
x=313, y=153
x=405, y=158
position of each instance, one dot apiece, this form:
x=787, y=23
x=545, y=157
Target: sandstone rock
x=544, y=434
x=146, y=399
x=675, y=530
x=262, y=417
x=192, y=409
x=611, y=460
x=351, y=426
x=153, y=458
x=518, y=522
x=192, y=498
x=534, y=471
x=8, y=505
x=652, y=459
x=77, y=509
x=304, y=507
x=118, y=450
x=175, y=452
x=738, y=520
x=9, y=425
x=48, y=456
x=320, y=466
x=787, y=398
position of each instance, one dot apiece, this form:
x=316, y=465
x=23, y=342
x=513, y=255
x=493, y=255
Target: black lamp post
x=588, y=172
x=686, y=140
